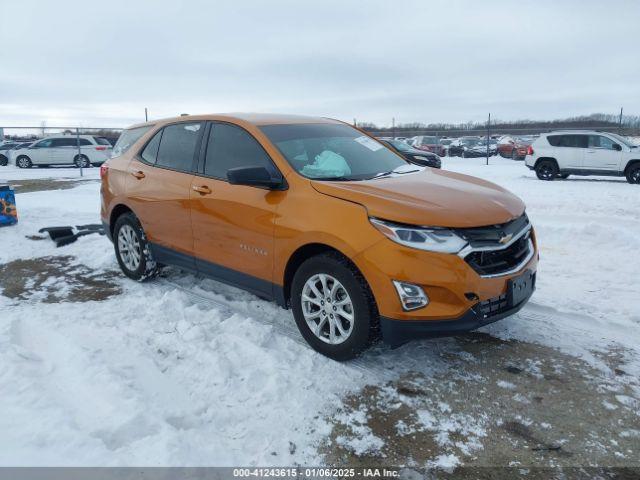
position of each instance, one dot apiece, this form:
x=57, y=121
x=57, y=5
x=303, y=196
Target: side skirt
x=587, y=172
x=259, y=287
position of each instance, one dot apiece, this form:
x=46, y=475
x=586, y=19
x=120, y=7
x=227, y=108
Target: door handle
x=139, y=174
x=202, y=190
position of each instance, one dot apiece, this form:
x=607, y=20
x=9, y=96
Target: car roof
x=256, y=119
x=555, y=132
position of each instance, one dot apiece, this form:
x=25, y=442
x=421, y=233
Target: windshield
x=429, y=141
x=335, y=152
x=623, y=140
x=469, y=141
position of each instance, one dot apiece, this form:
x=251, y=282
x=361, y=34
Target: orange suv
x=322, y=218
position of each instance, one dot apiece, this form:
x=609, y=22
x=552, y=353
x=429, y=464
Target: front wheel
x=547, y=170
x=633, y=174
x=3, y=161
x=23, y=162
x=132, y=249
x=333, y=307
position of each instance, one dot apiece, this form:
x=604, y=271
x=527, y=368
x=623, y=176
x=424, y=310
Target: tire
x=633, y=174
x=355, y=335
x=4, y=161
x=128, y=236
x=547, y=170
x=81, y=161
x=23, y=162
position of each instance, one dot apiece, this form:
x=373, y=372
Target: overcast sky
x=100, y=63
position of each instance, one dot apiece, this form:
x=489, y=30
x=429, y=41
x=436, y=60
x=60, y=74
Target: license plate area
x=520, y=288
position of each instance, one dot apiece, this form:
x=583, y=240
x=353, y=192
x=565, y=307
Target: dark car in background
x=458, y=146
x=479, y=149
x=429, y=144
x=413, y=155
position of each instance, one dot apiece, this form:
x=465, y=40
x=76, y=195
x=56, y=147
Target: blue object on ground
x=8, y=211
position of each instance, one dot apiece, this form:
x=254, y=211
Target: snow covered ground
x=186, y=371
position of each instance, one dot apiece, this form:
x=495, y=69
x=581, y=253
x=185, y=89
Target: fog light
x=411, y=296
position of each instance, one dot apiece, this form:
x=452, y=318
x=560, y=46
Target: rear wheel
x=81, y=161
x=334, y=307
x=514, y=155
x=24, y=162
x=132, y=249
x=633, y=174
x=3, y=161
x=547, y=170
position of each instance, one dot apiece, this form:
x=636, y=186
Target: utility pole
x=620, y=127
x=355, y=124
x=393, y=127
x=488, y=135
x=146, y=116
x=80, y=160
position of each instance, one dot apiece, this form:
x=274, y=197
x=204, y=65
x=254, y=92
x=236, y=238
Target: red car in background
x=514, y=147
x=429, y=144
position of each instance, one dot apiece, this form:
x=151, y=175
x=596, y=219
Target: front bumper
x=397, y=332
x=456, y=290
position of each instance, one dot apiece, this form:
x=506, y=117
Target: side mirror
x=255, y=177
x=617, y=147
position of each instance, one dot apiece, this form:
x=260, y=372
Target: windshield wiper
x=336, y=179
x=391, y=172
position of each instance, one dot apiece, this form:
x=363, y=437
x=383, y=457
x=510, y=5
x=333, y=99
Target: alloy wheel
x=546, y=172
x=327, y=309
x=129, y=248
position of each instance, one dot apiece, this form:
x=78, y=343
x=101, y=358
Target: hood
x=430, y=198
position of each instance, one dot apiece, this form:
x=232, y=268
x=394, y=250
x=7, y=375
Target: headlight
x=432, y=239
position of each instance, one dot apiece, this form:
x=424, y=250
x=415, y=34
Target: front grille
x=486, y=252
x=493, y=306
x=492, y=262
x=490, y=235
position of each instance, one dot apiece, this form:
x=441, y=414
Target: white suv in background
x=585, y=152
x=63, y=150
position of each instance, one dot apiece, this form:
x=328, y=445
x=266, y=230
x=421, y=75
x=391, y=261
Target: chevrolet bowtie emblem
x=505, y=239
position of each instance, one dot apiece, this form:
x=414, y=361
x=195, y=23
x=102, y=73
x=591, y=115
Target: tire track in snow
x=286, y=328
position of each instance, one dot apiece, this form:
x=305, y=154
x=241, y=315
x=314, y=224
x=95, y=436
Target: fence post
x=488, y=136
x=80, y=162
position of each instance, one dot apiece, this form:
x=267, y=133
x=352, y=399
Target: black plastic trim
x=262, y=288
x=398, y=332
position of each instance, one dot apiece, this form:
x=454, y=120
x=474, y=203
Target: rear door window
x=230, y=147
x=570, y=141
x=178, y=146
x=102, y=141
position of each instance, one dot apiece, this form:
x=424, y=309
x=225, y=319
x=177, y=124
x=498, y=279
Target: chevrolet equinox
x=318, y=216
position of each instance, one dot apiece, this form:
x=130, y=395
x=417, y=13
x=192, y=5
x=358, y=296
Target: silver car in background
x=63, y=150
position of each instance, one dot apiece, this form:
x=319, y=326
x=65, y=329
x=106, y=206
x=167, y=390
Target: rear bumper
x=397, y=332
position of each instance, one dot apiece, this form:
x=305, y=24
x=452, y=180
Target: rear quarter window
x=128, y=138
x=554, y=140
